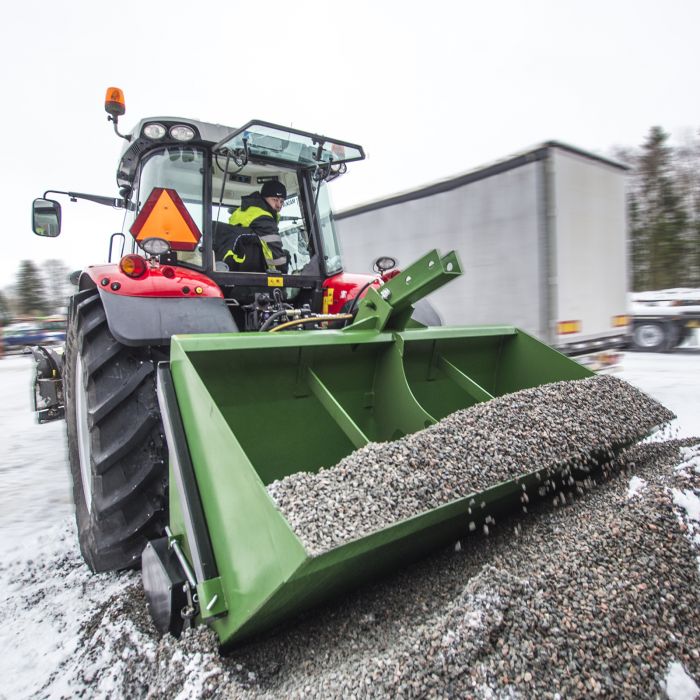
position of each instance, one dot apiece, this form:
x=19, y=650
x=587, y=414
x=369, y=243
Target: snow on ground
x=679, y=685
x=673, y=379
x=34, y=481
x=636, y=487
x=51, y=602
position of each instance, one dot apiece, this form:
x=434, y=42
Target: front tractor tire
x=116, y=449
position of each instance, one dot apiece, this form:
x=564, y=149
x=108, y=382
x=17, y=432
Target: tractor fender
x=161, y=309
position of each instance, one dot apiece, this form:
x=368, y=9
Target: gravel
x=549, y=428
x=600, y=597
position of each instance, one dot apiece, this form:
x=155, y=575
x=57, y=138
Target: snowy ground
x=52, y=608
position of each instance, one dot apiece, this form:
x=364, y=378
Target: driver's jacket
x=256, y=215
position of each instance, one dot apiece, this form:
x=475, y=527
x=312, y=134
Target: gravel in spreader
x=550, y=428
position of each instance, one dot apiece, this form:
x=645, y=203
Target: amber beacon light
x=114, y=102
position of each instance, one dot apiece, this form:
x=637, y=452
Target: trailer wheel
x=650, y=337
x=116, y=449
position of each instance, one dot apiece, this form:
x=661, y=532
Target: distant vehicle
x=663, y=319
x=47, y=331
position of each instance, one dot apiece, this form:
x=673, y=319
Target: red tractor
x=179, y=181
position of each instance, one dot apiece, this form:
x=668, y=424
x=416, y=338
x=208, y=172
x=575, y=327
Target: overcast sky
x=429, y=88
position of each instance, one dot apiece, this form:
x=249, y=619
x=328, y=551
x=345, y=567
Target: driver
x=259, y=212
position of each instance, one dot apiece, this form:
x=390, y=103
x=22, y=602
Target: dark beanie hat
x=273, y=188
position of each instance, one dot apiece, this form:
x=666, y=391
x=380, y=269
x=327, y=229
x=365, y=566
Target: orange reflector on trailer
x=165, y=216
x=566, y=327
x=620, y=321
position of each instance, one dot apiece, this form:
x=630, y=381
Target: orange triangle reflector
x=165, y=216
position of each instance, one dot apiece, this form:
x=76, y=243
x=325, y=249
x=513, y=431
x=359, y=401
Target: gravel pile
x=549, y=428
x=597, y=598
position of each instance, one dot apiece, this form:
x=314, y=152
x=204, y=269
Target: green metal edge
x=253, y=544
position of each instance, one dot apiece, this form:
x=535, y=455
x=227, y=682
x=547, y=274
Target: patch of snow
x=673, y=379
x=679, y=685
x=636, y=486
x=691, y=459
x=689, y=501
x=49, y=594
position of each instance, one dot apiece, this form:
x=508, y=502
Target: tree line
x=663, y=199
x=39, y=291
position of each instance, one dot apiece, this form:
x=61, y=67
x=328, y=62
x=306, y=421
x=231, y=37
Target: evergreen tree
x=58, y=286
x=687, y=166
x=31, y=292
x=657, y=217
x=5, y=314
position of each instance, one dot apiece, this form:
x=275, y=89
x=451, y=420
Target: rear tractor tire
x=116, y=448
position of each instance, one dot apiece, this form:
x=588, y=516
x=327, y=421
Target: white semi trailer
x=541, y=237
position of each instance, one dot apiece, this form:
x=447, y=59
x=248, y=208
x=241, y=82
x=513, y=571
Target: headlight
x=155, y=246
x=384, y=263
x=154, y=131
x=182, y=132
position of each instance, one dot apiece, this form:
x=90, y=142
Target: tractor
x=189, y=383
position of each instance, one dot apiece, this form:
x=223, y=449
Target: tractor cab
x=211, y=179
x=212, y=173
x=180, y=180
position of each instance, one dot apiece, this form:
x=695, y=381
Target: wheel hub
x=649, y=336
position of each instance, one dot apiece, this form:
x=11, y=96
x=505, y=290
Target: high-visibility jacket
x=255, y=214
x=239, y=248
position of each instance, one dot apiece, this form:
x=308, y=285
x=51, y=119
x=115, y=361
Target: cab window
x=179, y=168
x=230, y=184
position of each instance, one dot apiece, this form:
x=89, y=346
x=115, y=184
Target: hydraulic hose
x=310, y=319
x=272, y=318
x=356, y=298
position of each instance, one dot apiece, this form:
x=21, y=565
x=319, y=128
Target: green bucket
x=257, y=407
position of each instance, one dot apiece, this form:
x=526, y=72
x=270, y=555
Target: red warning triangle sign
x=165, y=216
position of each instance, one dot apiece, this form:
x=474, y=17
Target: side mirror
x=46, y=217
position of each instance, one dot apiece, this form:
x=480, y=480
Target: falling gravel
x=549, y=428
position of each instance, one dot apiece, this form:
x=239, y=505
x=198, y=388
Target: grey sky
x=430, y=89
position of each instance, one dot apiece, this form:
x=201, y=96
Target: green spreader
x=242, y=410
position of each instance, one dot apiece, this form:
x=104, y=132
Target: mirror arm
x=74, y=196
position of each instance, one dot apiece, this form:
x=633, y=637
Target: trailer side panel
x=495, y=225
